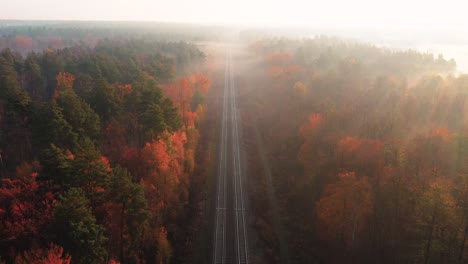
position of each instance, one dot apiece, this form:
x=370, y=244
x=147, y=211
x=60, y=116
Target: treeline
x=368, y=150
x=28, y=36
x=97, y=150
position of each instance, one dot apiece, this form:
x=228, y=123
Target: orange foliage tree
x=183, y=93
x=23, y=43
x=163, y=161
x=53, y=255
x=24, y=212
x=344, y=209
x=64, y=81
x=363, y=155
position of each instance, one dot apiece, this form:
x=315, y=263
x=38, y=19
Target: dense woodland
x=356, y=153
x=365, y=149
x=27, y=36
x=98, y=146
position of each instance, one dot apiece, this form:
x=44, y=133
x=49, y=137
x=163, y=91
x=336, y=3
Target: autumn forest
x=160, y=143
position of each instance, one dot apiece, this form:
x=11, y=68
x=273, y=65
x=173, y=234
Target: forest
x=98, y=144
x=360, y=153
x=110, y=142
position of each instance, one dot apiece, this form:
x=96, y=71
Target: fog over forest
x=233, y=132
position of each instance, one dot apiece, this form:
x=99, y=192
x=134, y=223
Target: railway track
x=230, y=234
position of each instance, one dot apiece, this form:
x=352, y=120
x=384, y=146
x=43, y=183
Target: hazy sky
x=398, y=14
